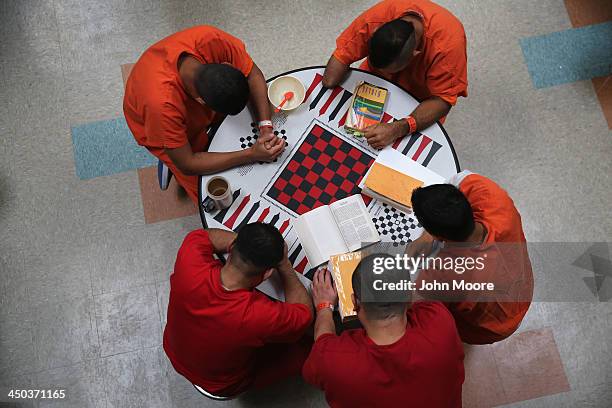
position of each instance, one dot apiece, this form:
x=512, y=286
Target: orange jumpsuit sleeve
x=164, y=120
x=447, y=77
x=352, y=44
x=217, y=46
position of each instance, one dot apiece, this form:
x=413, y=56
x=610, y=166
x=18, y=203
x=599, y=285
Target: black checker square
x=333, y=165
x=293, y=204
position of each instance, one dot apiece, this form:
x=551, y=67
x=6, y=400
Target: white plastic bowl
x=281, y=85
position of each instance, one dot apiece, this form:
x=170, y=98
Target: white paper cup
x=282, y=85
x=220, y=192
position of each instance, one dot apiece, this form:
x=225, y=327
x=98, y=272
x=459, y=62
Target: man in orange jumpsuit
x=416, y=44
x=474, y=218
x=183, y=84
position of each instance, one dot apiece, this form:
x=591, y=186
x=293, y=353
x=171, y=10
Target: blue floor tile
x=107, y=147
x=570, y=55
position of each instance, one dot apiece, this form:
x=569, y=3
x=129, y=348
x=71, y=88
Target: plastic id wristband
x=325, y=305
x=412, y=125
x=265, y=124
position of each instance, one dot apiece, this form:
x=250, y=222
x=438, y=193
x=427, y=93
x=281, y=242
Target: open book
x=393, y=177
x=343, y=226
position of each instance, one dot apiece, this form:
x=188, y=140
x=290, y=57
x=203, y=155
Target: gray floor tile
x=18, y=351
x=135, y=379
x=584, y=349
x=17, y=382
x=128, y=320
x=163, y=297
x=83, y=384
x=65, y=332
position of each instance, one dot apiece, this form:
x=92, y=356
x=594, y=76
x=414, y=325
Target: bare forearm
x=295, y=292
x=220, y=239
x=259, y=94
x=214, y=162
x=335, y=71
x=429, y=111
x=324, y=323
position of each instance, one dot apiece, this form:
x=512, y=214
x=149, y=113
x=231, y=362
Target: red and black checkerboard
x=325, y=168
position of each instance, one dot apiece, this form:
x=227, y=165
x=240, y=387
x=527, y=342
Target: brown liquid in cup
x=217, y=187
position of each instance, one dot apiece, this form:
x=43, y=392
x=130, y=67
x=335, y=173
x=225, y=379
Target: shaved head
x=392, y=44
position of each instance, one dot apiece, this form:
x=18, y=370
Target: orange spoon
x=286, y=97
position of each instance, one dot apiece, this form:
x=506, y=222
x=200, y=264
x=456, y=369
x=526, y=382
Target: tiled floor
x=84, y=272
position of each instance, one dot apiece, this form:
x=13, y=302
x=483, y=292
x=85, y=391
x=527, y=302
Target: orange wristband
x=412, y=125
x=325, y=305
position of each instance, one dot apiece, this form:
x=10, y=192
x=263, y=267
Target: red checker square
x=293, y=166
x=320, y=144
x=296, y=180
x=317, y=131
x=305, y=148
x=347, y=186
x=283, y=198
x=324, y=159
x=308, y=162
x=280, y=184
x=311, y=177
x=299, y=195
x=340, y=156
x=355, y=154
x=315, y=192
x=343, y=170
x=327, y=174
x=359, y=168
x=331, y=189
x=336, y=142
x=302, y=209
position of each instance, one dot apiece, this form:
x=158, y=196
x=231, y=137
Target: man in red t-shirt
x=187, y=82
x=403, y=356
x=222, y=334
x=474, y=218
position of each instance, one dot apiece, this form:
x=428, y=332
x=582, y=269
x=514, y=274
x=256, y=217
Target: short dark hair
x=379, y=305
x=261, y=246
x=222, y=87
x=388, y=41
x=443, y=211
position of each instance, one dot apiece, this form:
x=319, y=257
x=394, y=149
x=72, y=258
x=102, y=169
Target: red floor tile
x=161, y=205
x=482, y=387
x=603, y=89
x=587, y=12
x=525, y=366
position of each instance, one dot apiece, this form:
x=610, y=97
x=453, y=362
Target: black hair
x=443, y=211
x=380, y=304
x=222, y=87
x=388, y=41
x=261, y=246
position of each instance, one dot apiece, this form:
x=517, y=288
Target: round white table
x=321, y=164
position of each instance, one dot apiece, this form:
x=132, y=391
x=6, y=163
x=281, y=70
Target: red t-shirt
x=422, y=369
x=212, y=335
